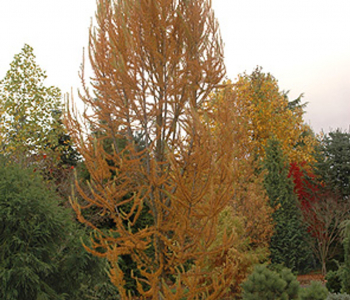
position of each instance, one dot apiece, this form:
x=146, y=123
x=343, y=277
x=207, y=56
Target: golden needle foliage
x=248, y=215
x=155, y=63
x=249, y=199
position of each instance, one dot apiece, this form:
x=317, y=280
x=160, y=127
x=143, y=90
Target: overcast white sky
x=305, y=44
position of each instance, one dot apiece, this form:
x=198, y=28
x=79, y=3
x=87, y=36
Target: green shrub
x=334, y=282
x=345, y=270
x=101, y=291
x=32, y=226
x=264, y=284
x=316, y=291
x=41, y=255
x=292, y=288
x=337, y=296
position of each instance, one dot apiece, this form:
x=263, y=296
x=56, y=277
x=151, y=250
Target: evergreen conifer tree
x=333, y=163
x=288, y=245
x=41, y=256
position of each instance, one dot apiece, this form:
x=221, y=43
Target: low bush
x=334, y=282
x=264, y=284
x=316, y=291
x=338, y=296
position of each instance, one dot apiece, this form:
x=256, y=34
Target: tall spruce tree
x=288, y=245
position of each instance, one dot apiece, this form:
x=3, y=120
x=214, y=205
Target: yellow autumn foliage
x=266, y=112
x=248, y=216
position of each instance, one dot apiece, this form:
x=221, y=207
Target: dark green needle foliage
x=334, y=280
x=265, y=284
x=32, y=228
x=333, y=162
x=288, y=245
x=41, y=256
x=345, y=269
x=316, y=291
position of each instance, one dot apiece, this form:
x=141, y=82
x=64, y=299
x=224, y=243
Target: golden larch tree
x=155, y=63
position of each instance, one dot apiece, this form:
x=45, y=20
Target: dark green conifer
x=41, y=254
x=266, y=284
x=333, y=162
x=288, y=245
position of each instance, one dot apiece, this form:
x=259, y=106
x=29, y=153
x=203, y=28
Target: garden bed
x=306, y=279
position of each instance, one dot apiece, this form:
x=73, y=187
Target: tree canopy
x=29, y=111
x=269, y=114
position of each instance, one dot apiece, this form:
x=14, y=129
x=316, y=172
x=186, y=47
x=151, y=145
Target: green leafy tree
x=269, y=113
x=288, y=245
x=27, y=110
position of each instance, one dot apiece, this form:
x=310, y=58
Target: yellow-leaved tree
x=269, y=114
x=248, y=214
